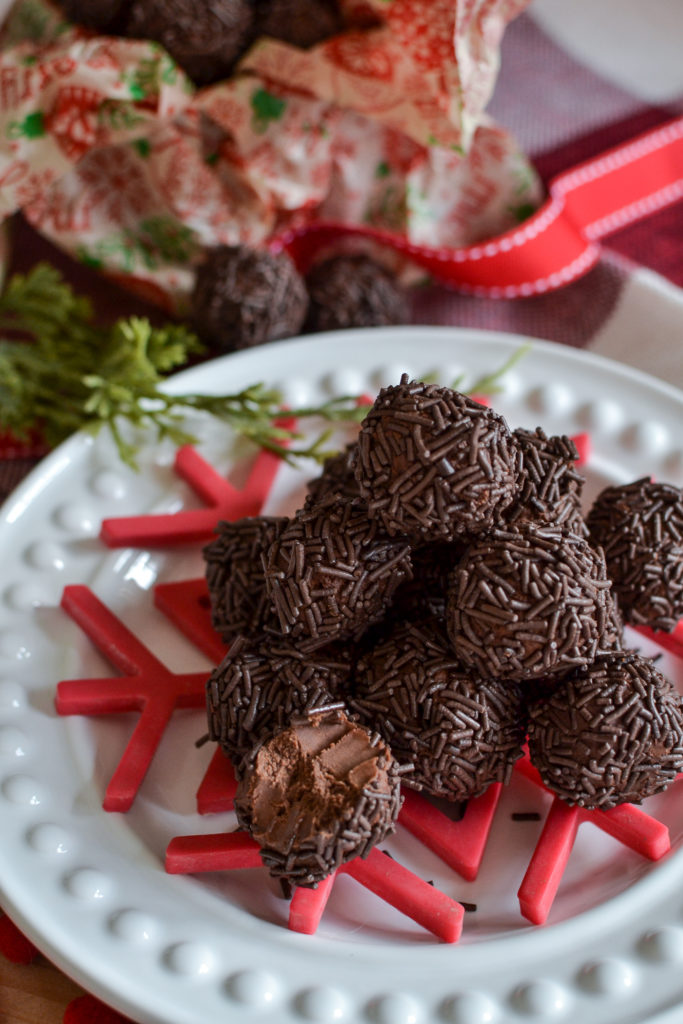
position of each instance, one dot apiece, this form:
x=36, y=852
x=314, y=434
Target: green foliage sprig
x=61, y=371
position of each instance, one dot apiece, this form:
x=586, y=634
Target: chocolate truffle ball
x=333, y=572
x=528, y=602
x=205, y=39
x=337, y=477
x=612, y=733
x=261, y=683
x=458, y=731
x=353, y=291
x=244, y=297
x=101, y=15
x=434, y=464
x=426, y=594
x=301, y=23
x=234, y=575
x=640, y=528
x=549, y=483
x=317, y=795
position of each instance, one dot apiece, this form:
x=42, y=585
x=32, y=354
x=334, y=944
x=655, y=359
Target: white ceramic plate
x=89, y=887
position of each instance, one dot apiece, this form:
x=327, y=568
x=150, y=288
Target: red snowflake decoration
x=147, y=686
x=150, y=687
x=191, y=525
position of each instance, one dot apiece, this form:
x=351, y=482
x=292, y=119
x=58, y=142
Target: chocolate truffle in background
x=434, y=464
x=205, y=39
x=244, y=297
x=318, y=794
x=261, y=683
x=301, y=23
x=528, y=602
x=333, y=572
x=353, y=291
x=611, y=733
x=101, y=15
x=550, y=485
x=460, y=732
x=337, y=477
x=640, y=528
x=426, y=594
x=234, y=575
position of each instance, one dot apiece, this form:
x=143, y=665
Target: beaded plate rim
x=96, y=902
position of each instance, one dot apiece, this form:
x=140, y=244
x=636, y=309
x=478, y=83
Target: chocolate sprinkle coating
x=337, y=477
x=434, y=464
x=301, y=23
x=353, y=291
x=261, y=683
x=234, y=575
x=550, y=485
x=327, y=801
x=640, y=528
x=459, y=732
x=332, y=572
x=244, y=297
x=612, y=733
x=205, y=39
x=528, y=602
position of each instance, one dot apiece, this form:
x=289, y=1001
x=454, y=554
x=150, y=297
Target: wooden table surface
x=35, y=993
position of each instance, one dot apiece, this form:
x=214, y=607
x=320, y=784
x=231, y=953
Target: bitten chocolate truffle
x=353, y=291
x=261, y=683
x=550, y=485
x=640, y=528
x=333, y=572
x=244, y=297
x=234, y=575
x=337, y=477
x=301, y=23
x=458, y=731
x=612, y=733
x=434, y=464
x=101, y=15
x=205, y=39
x=528, y=602
x=317, y=795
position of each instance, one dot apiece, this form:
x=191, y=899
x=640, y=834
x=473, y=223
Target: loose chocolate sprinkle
x=244, y=297
x=460, y=732
x=529, y=602
x=234, y=575
x=332, y=572
x=525, y=816
x=261, y=683
x=469, y=908
x=612, y=733
x=434, y=464
x=640, y=528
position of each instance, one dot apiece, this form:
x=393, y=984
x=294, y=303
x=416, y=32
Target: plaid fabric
x=563, y=111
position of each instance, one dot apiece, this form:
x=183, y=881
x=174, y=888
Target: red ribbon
x=559, y=242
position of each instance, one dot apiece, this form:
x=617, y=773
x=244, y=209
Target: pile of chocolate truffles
x=207, y=39
x=438, y=600
x=244, y=296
